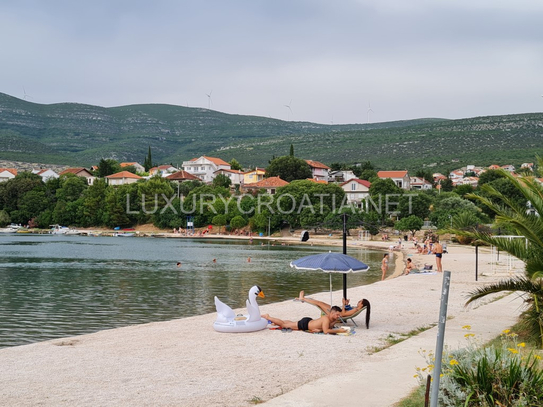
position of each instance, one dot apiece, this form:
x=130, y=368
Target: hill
x=78, y=134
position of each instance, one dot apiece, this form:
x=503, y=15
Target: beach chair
x=366, y=306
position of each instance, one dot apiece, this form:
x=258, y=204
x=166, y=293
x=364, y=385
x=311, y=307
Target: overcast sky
x=329, y=60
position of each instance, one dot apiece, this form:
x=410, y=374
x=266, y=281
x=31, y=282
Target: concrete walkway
x=380, y=378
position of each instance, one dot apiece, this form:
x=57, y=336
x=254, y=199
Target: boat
x=59, y=230
x=9, y=229
x=124, y=234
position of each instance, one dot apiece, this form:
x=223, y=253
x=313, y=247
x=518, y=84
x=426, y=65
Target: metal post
x=345, y=252
x=269, y=226
x=440, y=337
x=476, y=262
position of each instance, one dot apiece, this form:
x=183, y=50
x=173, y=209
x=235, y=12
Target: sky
x=323, y=61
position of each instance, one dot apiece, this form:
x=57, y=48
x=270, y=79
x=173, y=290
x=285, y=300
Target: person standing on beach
x=384, y=266
x=438, y=251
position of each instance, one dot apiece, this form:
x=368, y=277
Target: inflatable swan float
x=228, y=321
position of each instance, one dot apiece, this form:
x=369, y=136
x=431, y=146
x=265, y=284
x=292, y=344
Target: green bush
x=498, y=375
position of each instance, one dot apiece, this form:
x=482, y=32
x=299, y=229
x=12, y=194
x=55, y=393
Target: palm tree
x=527, y=223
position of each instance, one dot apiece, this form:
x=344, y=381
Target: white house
x=420, y=183
x=341, y=176
x=205, y=167
x=236, y=176
x=163, y=170
x=45, y=174
x=7, y=174
x=318, y=170
x=122, y=178
x=356, y=190
x=400, y=178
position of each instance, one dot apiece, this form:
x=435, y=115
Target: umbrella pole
x=331, y=303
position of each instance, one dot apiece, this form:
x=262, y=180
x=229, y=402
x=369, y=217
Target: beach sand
x=185, y=362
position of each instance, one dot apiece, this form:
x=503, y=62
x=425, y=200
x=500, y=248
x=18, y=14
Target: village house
x=205, y=167
x=356, y=190
x=529, y=166
x=250, y=177
x=236, y=176
x=400, y=178
x=341, y=176
x=80, y=172
x=122, y=178
x=456, y=175
x=139, y=168
x=269, y=184
x=182, y=176
x=318, y=170
x=509, y=168
x=7, y=174
x=162, y=170
x=45, y=174
x=420, y=183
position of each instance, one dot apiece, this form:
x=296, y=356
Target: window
x=353, y=187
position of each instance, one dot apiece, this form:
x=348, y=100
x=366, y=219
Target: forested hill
x=78, y=134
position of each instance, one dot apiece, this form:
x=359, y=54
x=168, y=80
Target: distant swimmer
x=214, y=260
x=248, y=259
x=178, y=264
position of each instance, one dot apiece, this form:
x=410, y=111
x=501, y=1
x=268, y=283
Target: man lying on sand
x=323, y=324
x=347, y=310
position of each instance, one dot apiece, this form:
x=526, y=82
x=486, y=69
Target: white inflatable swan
x=228, y=321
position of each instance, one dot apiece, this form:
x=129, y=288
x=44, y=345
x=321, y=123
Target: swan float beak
x=261, y=294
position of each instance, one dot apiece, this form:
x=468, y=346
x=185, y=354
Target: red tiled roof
x=316, y=164
x=182, y=175
x=391, y=174
x=367, y=184
x=127, y=164
x=74, y=171
x=11, y=170
x=124, y=174
x=271, y=182
x=318, y=181
x=216, y=161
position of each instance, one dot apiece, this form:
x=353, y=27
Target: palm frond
x=519, y=283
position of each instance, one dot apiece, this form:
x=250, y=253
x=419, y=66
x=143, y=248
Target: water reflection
x=57, y=286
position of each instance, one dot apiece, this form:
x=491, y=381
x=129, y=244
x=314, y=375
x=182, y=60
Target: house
x=340, y=176
x=205, y=167
x=80, y=172
x=162, y=170
x=317, y=181
x=318, y=170
x=420, y=183
x=7, y=174
x=45, y=174
x=400, y=178
x=438, y=177
x=181, y=176
x=254, y=175
x=122, y=178
x=456, y=175
x=509, y=168
x=236, y=176
x=356, y=190
x=139, y=168
x=269, y=184
x=529, y=166
x=494, y=167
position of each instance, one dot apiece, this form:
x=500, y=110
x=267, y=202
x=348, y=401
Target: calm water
x=58, y=286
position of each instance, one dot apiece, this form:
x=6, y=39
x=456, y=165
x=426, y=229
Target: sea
x=54, y=286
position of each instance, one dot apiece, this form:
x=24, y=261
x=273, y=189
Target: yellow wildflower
x=506, y=331
x=512, y=350
x=453, y=362
x=521, y=345
x=468, y=335
x=468, y=327
x=537, y=357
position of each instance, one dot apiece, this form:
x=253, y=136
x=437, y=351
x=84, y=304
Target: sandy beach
x=185, y=362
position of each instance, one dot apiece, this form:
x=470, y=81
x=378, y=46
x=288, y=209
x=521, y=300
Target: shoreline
x=185, y=362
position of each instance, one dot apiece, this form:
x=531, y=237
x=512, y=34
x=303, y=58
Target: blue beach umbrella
x=331, y=263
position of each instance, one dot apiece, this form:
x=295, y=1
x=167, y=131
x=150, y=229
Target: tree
x=219, y=220
x=463, y=190
x=411, y=223
x=107, y=167
x=4, y=218
x=447, y=185
x=148, y=162
x=292, y=150
x=238, y=222
x=530, y=250
x=368, y=174
x=289, y=168
x=222, y=180
x=415, y=204
x=489, y=176
x=235, y=165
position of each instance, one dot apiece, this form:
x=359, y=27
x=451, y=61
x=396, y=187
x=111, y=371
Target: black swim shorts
x=303, y=324
x=440, y=255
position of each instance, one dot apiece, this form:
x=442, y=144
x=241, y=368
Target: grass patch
x=395, y=338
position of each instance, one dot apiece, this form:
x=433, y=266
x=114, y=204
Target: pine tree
x=292, y=150
x=148, y=163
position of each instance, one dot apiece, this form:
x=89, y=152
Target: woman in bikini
x=384, y=265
